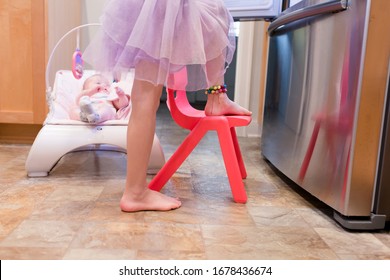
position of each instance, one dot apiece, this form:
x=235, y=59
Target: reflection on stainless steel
x=312, y=99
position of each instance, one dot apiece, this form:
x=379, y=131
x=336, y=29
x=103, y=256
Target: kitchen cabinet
x=28, y=30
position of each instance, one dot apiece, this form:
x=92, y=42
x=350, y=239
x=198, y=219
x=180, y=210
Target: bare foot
x=148, y=200
x=220, y=104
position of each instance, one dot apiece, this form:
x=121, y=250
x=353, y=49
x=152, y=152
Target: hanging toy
x=77, y=61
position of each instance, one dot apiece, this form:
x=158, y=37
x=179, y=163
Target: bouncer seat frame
x=61, y=135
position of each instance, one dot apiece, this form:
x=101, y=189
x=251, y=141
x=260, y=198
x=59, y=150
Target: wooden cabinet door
x=23, y=51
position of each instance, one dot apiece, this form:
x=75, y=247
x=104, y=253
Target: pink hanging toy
x=77, y=61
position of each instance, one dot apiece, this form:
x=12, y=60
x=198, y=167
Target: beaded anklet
x=216, y=89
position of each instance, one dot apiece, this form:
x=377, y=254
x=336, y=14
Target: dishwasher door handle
x=310, y=11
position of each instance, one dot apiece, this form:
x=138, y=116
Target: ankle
x=135, y=192
x=217, y=89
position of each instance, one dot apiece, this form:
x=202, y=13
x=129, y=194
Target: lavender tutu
x=162, y=37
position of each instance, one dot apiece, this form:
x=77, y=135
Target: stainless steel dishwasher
x=326, y=115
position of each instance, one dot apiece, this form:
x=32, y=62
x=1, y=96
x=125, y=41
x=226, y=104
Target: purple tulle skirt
x=162, y=37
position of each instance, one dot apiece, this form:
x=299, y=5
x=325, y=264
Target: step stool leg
x=231, y=164
x=238, y=153
x=178, y=157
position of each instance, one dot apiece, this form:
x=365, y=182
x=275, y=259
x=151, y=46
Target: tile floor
x=74, y=213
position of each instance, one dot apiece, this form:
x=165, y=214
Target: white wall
x=91, y=10
x=90, y=13
x=252, y=51
x=63, y=15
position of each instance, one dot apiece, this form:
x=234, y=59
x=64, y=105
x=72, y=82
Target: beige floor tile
x=62, y=210
x=268, y=216
x=363, y=257
x=318, y=217
x=358, y=243
x=264, y=243
x=74, y=212
x=139, y=236
x=109, y=211
x=170, y=255
x=76, y=193
x=383, y=236
x=18, y=203
x=32, y=253
x=46, y=234
x=229, y=252
x=100, y=254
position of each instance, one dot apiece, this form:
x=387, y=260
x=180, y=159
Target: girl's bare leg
x=137, y=196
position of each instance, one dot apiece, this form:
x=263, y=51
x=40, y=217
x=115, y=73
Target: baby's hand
x=122, y=100
x=119, y=91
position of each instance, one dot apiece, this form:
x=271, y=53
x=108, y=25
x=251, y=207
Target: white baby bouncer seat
x=63, y=133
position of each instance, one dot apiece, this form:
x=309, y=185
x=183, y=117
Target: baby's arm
x=89, y=92
x=123, y=99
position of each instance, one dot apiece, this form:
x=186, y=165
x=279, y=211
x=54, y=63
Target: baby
x=99, y=101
